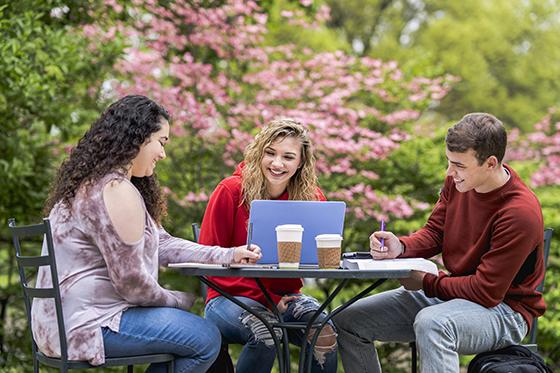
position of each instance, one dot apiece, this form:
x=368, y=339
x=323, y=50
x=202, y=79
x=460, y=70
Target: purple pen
x=382, y=229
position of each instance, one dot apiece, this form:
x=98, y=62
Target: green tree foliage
x=504, y=51
x=49, y=74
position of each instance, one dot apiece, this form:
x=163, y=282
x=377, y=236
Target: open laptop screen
x=316, y=217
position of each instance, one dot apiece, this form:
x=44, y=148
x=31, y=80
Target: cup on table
x=289, y=238
x=329, y=250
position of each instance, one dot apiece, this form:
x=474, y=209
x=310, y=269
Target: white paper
x=194, y=265
x=232, y=265
x=418, y=264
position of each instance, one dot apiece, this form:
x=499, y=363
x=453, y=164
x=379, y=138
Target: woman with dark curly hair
x=105, y=208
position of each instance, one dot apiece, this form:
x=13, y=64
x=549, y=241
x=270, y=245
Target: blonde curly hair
x=302, y=185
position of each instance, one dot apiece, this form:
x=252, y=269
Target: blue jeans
x=442, y=329
x=149, y=330
x=258, y=353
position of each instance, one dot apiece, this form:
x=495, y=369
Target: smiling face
x=150, y=152
x=280, y=162
x=467, y=174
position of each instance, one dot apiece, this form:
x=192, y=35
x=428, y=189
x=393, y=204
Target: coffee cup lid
x=289, y=227
x=328, y=237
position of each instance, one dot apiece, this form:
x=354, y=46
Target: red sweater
x=491, y=244
x=225, y=224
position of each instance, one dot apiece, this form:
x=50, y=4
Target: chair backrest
x=28, y=266
x=547, y=240
x=195, y=231
x=196, y=235
x=223, y=362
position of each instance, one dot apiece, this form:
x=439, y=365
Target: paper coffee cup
x=288, y=237
x=329, y=250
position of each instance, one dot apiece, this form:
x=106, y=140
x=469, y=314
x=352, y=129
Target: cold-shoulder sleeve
x=132, y=267
x=174, y=250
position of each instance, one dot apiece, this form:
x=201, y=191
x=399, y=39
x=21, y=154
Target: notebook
x=418, y=264
x=316, y=217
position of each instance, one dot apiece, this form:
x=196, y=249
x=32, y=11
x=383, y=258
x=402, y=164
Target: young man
x=488, y=226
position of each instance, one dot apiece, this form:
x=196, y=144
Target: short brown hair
x=484, y=133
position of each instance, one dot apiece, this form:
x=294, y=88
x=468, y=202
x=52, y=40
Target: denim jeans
x=149, y=330
x=258, y=353
x=442, y=329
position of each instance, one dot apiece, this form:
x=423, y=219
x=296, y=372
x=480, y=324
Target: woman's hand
x=283, y=303
x=391, y=248
x=246, y=255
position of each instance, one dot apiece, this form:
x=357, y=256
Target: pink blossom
x=541, y=146
x=113, y=4
x=323, y=14
x=356, y=108
x=287, y=13
x=369, y=175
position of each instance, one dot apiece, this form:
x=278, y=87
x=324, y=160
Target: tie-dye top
x=101, y=276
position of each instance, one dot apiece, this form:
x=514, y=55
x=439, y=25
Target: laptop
x=316, y=217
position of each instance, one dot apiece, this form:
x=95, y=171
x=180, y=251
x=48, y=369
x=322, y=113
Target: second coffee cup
x=329, y=250
x=289, y=238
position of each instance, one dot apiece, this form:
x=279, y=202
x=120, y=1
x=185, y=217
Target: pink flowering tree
x=541, y=146
x=222, y=77
x=538, y=156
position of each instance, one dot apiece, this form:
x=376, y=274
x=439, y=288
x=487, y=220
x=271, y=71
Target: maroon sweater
x=491, y=244
x=225, y=224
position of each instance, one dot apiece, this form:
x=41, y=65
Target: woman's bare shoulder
x=125, y=209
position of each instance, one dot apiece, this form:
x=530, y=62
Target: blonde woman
x=279, y=165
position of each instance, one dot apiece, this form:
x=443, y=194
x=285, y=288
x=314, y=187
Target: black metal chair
x=196, y=236
x=223, y=363
x=32, y=264
x=532, y=338
x=195, y=231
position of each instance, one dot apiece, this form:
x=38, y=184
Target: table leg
x=303, y=358
x=305, y=361
x=281, y=359
x=284, y=353
x=285, y=342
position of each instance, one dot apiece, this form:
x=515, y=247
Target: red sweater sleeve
x=516, y=235
x=428, y=241
x=218, y=222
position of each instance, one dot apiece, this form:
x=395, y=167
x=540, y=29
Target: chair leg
x=171, y=366
x=414, y=357
x=130, y=369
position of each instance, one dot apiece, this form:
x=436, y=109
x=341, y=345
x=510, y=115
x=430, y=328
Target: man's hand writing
x=393, y=247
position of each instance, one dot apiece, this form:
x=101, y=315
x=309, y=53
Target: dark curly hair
x=111, y=143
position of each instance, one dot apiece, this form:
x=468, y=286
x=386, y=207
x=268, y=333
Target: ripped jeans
x=258, y=354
